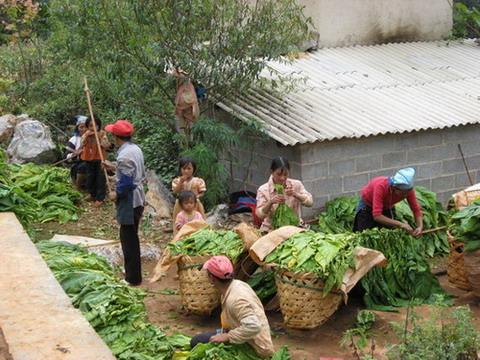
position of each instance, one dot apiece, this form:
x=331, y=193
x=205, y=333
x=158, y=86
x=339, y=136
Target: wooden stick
x=465, y=164
x=434, y=229
x=90, y=109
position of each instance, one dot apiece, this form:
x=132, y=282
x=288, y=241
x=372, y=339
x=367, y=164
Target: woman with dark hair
x=96, y=181
x=268, y=199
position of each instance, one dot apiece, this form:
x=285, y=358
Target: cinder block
x=429, y=170
x=315, y=171
x=354, y=182
x=430, y=138
x=462, y=181
x=427, y=183
x=461, y=134
x=406, y=141
x=398, y=158
x=328, y=186
x=473, y=162
x=470, y=148
x=445, y=196
x=434, y=153
x=341, y=167
x=452, y=166
x=368, y=163
x=382, y=172
x=443, y=183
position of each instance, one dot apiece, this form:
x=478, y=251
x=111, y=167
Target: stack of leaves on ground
x=209, y=242
x=339, y=216
x=117, y=312
x=37, y=193
x=465, y=226
x=327, y=255
x=263, y=283
x=407, y=277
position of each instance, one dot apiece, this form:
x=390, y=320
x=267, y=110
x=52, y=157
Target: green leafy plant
x=466, y=21
x=339, y=215
x=263, y=283
x=443, y=335
x=465, y=226
x=357, y=337
x=283, y=215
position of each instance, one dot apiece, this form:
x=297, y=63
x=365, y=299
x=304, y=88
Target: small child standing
x=188, y=182
x=187, y=201
x=96, y=181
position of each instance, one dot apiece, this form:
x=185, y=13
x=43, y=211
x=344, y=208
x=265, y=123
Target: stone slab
x=36, y=315
x=83, y=240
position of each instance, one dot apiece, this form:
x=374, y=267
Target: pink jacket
x=267, y=191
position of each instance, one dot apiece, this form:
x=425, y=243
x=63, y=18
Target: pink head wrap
x=219, y=266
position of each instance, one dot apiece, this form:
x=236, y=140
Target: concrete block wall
x=342, y=167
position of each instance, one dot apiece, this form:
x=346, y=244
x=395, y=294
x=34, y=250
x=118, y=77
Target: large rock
x=32, y=142
x=158, y=197
x=218, y=217
x=7, y=125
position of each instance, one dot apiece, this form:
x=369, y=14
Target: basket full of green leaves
x=283, y=215
x=197, y=293
x=309, y=268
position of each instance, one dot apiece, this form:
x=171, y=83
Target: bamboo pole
x=90, y=110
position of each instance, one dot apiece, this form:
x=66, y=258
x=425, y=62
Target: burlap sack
x=466, y=197
x=472, y=270
x=167, y=259
x=248, y=234
x=266, y=244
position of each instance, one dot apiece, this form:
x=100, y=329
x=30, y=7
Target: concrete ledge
x=36, y=315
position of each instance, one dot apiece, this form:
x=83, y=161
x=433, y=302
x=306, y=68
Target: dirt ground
x=165, y=310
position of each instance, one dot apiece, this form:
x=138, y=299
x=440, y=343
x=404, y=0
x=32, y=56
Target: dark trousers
x=131, y=248
x=202, y=338
x=96, y=181
x=364, y=219
x=78, y=167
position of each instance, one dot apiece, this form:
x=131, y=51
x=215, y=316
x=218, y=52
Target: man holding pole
x=129, y=196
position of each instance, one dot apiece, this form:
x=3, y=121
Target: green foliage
x=465, y=226
x=357, y=337
x=443, y=335
x=283, y=215
x=115, y=311
x=213, y=351
x=263, y=283
x=209, y=242
x=466, y=21
x=327, y=255
x=405, y=279
x=37, y=193
x=339, y=215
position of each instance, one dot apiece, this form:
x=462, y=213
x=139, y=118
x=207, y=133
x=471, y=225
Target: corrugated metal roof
x=369, y=90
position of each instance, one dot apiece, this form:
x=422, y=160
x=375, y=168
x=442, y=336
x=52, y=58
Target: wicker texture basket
x=198, y=295
x=456, y=265
x=302, y=302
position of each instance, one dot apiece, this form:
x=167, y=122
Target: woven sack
x=302, y=302
x=197, y=293
x=456, y=273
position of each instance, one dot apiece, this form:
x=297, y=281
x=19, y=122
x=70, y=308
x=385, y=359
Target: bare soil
x=165, y=310
x=4, y=354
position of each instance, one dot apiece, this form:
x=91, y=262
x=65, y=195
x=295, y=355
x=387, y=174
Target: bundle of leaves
x=115, y=311
x=283, y=215
x=37, y=193
x=209, y=242
x=444, y=334
x=407, y=277
x=465, y=226
x=433, y=216
x=263, y=283
x=327, y=255
x=212, y=351
x=339, y=215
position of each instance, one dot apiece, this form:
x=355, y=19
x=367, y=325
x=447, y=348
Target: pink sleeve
x=377, y=200
x=412, y=201
x=198, y=216
x=176, y=186
x=180, y=220
x=262, y=198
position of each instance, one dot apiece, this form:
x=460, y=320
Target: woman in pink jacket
x=267, y=198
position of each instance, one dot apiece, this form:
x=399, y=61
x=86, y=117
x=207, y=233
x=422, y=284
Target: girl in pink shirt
x=187, y=201
x=268, y=200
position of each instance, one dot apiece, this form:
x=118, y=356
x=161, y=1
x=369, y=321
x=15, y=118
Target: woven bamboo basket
x=456, y=265
x=302, y=302
x=198, y=295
